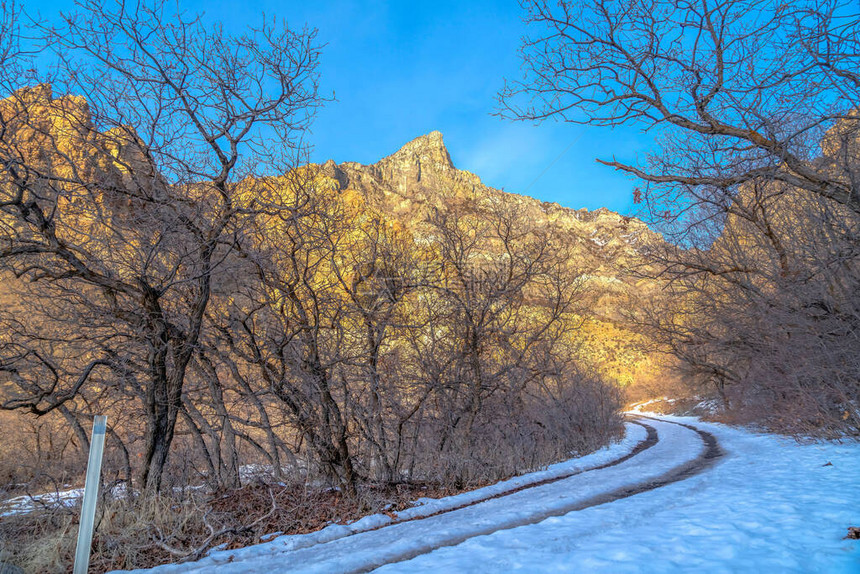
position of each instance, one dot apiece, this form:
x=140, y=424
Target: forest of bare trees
x=167, y=258
x=753, y=178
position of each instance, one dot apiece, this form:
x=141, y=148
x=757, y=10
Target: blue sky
x=402, y=69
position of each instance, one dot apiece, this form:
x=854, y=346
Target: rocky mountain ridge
x=406, y=187
x=420, y=177
x=409, y=182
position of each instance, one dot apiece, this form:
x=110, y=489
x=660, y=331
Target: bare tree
x=754, y=177
x=738, y=90
x=127, y=201
x=290, y=325
x=497, y=340
x=378, y=267
x=768, y=315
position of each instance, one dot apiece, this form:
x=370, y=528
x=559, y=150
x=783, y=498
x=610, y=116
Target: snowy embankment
x=367, y=549
x=768, y=505
x=26, y=503
x=634, y=436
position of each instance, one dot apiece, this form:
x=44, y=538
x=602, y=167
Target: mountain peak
x=422, y=163
x=434, y=141
x=428, y=151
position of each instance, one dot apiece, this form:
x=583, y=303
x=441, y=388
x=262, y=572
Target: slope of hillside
x=420, y=177
x=410, y=182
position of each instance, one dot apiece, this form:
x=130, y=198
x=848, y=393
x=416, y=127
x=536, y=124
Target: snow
x=62, y=498
x=423, y=506
x=27, y=503
x=768, y=505
x=642, y=408
x=709, y=406
x=69, y=498
x=374, y=547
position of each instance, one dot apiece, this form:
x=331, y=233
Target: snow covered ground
x=768, y=505
x=24, y=504
x=366, y=549
x=424, y=507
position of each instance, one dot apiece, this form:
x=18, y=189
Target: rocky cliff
x=421, y=175
x=408, y=184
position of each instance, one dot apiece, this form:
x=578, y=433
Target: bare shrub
x=37, y=454
x=520, y=433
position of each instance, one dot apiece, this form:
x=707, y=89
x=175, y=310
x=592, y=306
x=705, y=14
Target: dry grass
x=145, y=532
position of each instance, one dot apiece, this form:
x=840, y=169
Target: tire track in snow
x=650, y=440
x=712, y=452
x=375, y=546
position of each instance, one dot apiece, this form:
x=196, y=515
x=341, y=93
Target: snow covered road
x=679, y=449
x=767, y=505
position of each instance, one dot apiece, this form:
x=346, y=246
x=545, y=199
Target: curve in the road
x=650, y=440
x=707, y=458
x=670, y=452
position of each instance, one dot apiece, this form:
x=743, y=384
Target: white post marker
x=91, y=495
